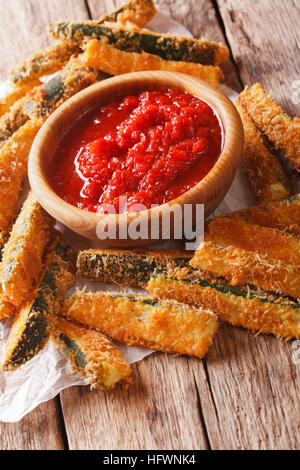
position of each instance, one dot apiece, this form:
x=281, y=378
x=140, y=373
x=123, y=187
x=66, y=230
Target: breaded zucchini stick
x=163, y=325
x=74, y=77
x=54, y=57
x=15, y=95
x=44, y=62
x=42, y=100
x=116, y=62
x=241, y=267
x=132, y=39
x=271, y=119
x=263, y=240
x=265, y=172
x=91, y=354
x=249, y=254
x=139, y=12
x=13, y=119
x=282, y=215
x=13, y=169
x=31, y=327
x=23, y=254
x=254, y=309
x=127, y=267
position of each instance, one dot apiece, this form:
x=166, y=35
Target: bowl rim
x=217, y=99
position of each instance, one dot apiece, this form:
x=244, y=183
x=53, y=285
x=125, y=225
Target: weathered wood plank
x=159, y=411
x=264, y=39
x=40, y=430
x=23, y=26
x=23, y=30
x=256, y=389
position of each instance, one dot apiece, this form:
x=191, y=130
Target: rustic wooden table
x=246, y=393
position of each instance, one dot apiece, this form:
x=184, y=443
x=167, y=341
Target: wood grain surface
x=246, y=393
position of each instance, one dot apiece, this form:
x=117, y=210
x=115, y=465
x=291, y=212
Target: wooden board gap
x=222, y=26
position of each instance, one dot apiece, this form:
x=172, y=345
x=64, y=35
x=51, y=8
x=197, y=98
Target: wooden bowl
x=210, y=191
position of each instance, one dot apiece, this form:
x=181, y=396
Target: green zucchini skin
x=44, y=62
x=31, y=328
x=74, y=77
x=12, y=120
x=165, y=46
x=90, y=353
x=192, y=277
x=124, y=267
x=70, y=347
x=251, y=308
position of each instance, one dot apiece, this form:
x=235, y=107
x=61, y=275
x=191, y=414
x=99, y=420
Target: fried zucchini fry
x=127, y=267
x=139, y=12
x=264, y=170
x=42, y=100
x=74, y=77
x=13, y=119
x=163, y=325
x=283, y=215
x=271, y=119
x=23, y=254
x=13, y=169
x=249, y=254
x=91, y=354
x=132, y=39
x=254, y=309
x=116, y=62
x=44, y=62
x=15, y=95
x=243, y=267
x=31, y=327
x=263, y=240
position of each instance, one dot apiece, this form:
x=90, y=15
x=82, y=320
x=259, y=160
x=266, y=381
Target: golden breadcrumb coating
x=76, y=76
x=141, y=320
x=31, y=327
x=13, y=119
x=263, y=240
x=127, y=267
x=16, y=94
x=264, y=170
x=44, y=62
x=116, y=62
x=91, y=354
x=23, y=254
x=250, y=254
x=271, y=119
x=282, y=215
x=13, y=170
x=6, y=309
x=243, y=267
x=257, y=311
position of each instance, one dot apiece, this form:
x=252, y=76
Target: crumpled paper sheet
x=49, y=372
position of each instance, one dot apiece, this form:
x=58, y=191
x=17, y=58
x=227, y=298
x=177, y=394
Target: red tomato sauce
x=151, y=148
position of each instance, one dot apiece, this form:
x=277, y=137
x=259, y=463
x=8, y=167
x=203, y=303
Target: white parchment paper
x=49, y=372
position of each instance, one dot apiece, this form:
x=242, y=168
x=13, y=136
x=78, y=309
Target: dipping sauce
x=145, y=149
